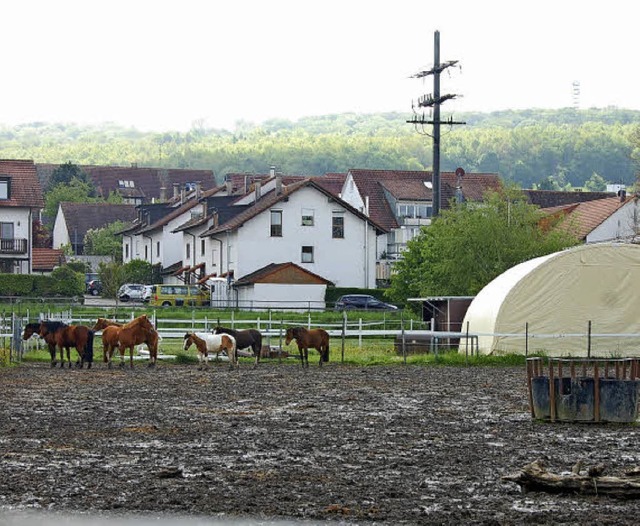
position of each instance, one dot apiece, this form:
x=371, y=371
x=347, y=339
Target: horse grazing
x=211, y=343
x=315, y=338
x=34, y=328
x=110, y=330
x=137, y=331
x=245, y=339
x=67, y=336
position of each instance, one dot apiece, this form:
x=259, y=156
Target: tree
x=469, y=245
x=76, y=191
x=104, y=241
x=596, y=183
x=65, y=173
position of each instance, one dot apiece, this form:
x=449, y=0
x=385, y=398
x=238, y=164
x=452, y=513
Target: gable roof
x=46, y=259
x=284, y=273
x=81, y=217
x=410, y=185
x=25, y=189
x=271, y=198
x=580, y=219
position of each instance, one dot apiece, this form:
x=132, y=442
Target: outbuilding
x=580, y=302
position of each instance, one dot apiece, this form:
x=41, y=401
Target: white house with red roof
x=21, y=203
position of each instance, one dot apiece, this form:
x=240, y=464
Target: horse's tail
x=89, y=349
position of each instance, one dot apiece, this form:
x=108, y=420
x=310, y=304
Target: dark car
x=94, y=287
x=362, y=302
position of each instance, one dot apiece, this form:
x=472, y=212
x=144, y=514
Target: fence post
x=344, y=331
x=466, y=346
x=589, y=340
x=404, y=349
x=360, y=333
x=526, y=339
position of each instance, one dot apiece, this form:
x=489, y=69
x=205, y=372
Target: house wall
x=622, y=224
x=60, y=232
x=21, y=220
x=278, y=296
x=351, y=195
x=253, y=247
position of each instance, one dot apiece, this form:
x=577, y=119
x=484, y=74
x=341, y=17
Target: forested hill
x=547, y=148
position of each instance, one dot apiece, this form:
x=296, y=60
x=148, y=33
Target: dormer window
x=5, y=188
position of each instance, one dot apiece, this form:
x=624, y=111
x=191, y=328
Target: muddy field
x=352, y=445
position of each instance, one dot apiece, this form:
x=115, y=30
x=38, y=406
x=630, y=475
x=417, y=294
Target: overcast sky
x=159, y=64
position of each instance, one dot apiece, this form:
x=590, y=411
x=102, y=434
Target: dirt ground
x=343, y=444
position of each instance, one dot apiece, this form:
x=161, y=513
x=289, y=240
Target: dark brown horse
x=67, y=336
x=137, y=331
x=34, y=328
x=248, y=338
x=315, y=338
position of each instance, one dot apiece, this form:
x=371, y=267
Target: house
x=235, y=231
x=598, y=220
x=401, y=202
x=21, y=203
x=74, y=220
x=44, y=260
x=139, y=185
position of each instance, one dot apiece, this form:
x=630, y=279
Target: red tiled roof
x=46, y=259
x=25, y=189
x=580, y=219
x=410, y=185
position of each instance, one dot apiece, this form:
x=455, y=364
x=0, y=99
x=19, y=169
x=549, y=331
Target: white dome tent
x=554, y=297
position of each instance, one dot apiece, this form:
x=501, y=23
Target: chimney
x=198, y=189
x=176, y=190
x=258, y=187
x=163, y=194
x=272, y=171
x=229, y=186
x=278, y=184
x=623, y=195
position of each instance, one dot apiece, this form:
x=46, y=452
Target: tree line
x=557, y=149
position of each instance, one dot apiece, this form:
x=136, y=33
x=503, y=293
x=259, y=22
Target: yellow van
x=177, y=296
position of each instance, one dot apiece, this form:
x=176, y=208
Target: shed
x=580, y=301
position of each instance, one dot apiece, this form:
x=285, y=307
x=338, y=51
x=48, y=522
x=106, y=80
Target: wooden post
x=344, y=331
x=589, y=340
x=529, y=365
x=552, y=393
x=596, y=392
x=526, y=339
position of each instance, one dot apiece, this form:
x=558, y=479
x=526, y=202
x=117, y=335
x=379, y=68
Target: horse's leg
x=131, y=355
x=256, y=348
x=319, y=349
x=61, y=356
x=52, y=352
x=69, y=356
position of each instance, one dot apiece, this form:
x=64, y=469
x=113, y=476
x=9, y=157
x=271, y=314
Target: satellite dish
x=459, y=172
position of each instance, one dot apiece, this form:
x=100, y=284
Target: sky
x=167, y=65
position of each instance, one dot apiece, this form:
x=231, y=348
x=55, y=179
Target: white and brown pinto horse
x=211, y=343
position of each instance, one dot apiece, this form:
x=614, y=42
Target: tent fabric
x=545, y=305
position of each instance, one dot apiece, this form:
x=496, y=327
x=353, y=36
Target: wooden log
x=534, y=477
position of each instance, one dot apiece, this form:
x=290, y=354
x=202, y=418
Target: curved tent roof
x=553, y=298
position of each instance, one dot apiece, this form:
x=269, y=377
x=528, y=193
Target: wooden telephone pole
x=434, y=101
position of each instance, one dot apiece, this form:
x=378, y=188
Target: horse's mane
x=32, y=326
x=53, y=326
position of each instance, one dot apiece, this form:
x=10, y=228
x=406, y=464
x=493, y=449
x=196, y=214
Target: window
x=188, y=249
x=146, y=252
x=126, y=251
x=307, y=254
x=337, y=225
x=276, y=223
x=157, y=249
x=4, y=189
x=202, y=247
x=307, y=217
x=214, y=258
x=6, y=230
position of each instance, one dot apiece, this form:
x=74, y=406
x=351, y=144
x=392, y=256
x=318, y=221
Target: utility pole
x=434, y=101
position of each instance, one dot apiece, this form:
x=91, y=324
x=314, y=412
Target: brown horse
x=67, y=336
x=34, y=328
x=211, y=343
x=137, y=331
x=110, y=330
x=315, y=338
x=245, y=339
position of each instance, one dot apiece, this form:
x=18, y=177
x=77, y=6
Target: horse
x=316, y=338
x=34, y=328
x=137, y=331
x=248, y=338
x=214, y=343
x=67, y=336
x=110, y=330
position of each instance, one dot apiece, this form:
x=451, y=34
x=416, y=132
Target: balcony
x=13, y=246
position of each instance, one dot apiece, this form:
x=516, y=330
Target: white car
x=131, y=292
x=146, y=295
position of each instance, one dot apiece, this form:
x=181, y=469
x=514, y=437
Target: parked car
x=94, y=287
x=362, y=302
x=178, y=295
x=146, y=295
x=131, y=291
